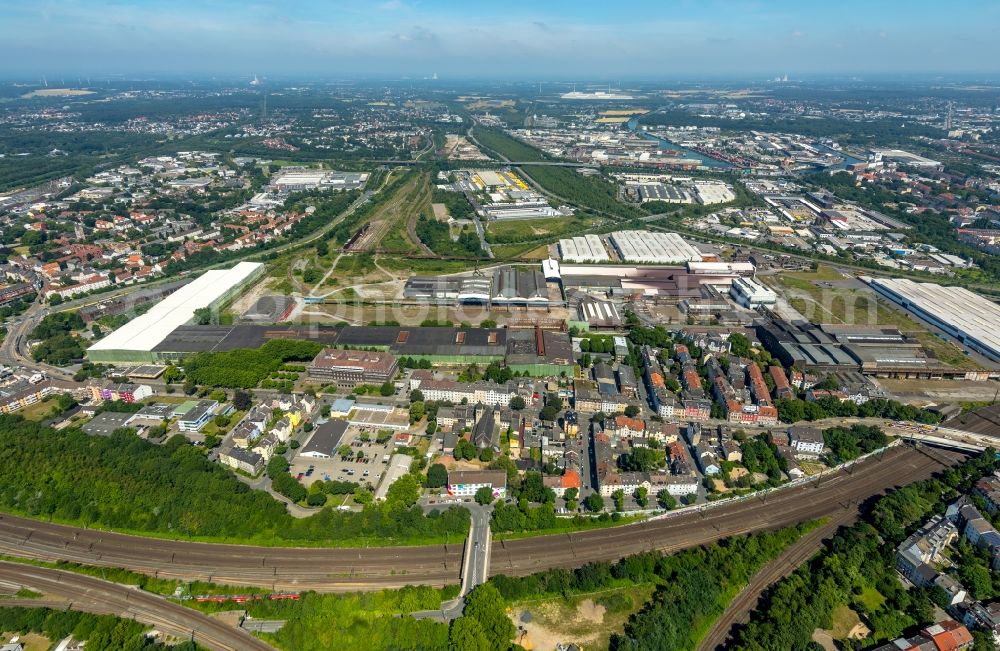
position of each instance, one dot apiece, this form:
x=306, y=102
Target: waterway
x=848, y=159
x=706, y=161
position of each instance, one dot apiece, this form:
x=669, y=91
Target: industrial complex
x=137, y=340
x=966, y=316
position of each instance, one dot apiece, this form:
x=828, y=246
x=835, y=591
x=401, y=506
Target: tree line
x=693, y=587
x=125, y=483
x=858, y=560
x=98, y=631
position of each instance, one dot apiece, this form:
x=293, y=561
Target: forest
x=508, y=147
x=857, y=569
x=125, y=483
x=59, y=346
x=437, y=236
x=246, y=367
x=593, y=192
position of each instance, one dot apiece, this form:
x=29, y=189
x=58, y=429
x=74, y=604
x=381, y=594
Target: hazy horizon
x=638, y=40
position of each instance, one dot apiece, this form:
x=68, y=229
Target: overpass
x=946, y=437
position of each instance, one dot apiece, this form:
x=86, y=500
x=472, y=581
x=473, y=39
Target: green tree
x=594, y=502
x=403, y=493
x=437, y=476
x=417, y=411
x=485, y=605
x=466, y=634
x=642, y=496
x=666, y=500
x=619, y=497
x=484, y=495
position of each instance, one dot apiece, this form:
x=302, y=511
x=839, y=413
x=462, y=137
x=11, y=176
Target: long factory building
x=966, y=316
x=137, y=340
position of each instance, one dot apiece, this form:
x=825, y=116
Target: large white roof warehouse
x=136, y=340
x=964, y=315
x=656, y=248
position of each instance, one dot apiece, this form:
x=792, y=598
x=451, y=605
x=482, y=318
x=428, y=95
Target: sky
x=500, y=39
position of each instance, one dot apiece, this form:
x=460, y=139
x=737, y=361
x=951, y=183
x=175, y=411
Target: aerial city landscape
x=450, y=330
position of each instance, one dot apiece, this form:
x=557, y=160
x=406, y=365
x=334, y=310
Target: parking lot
x=366, y=470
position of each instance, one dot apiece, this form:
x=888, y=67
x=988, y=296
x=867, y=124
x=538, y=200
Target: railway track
x=831, y=496
x=89, y=594
x=746, y=601
x=344, y=569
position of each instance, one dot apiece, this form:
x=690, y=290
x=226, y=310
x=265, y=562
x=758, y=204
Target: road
x=348, y=569
x=739, y=609
x=93, y=595
x=475, y=565
x=14, y=349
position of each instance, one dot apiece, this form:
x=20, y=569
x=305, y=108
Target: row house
x=695, y=408
x=90, y=284
x=782, y=387
x=677, y=485
x=125, y=391
x=486, y=393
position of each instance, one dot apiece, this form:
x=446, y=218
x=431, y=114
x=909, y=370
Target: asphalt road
x=93, y=595
x=328, y=569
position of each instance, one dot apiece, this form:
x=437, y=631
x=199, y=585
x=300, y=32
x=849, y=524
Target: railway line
x=746, y=601
x=275, y=568
x=89, y=594
x=346, y=569
x=830, y=496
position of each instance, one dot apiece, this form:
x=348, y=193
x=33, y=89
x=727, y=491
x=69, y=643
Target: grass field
x=525, y=230
x=844, y=621
x=871, y=598
x=423, y=265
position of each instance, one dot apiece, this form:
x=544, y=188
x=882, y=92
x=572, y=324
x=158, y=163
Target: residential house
x=465, y=483
x=807, y=441
x=240, y=459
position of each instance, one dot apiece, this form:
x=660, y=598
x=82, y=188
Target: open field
x=393, y=223
x=516, y=231
x=587, y=620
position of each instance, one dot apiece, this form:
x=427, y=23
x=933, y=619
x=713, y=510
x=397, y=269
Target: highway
x=93, y=595
x=331, y=569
